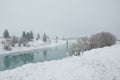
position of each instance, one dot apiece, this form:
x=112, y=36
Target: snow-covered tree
x=24, y=34
x=56, y=38
x=23, y=41
x=6, y=34
x=45, y=37
x=19, y=42
x=14, y=40
x=31, y=35
x=28, y=36
x=38, y=36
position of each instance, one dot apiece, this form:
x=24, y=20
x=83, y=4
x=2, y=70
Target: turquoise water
x=11, y=61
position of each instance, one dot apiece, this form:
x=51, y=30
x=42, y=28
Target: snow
x=35, y=44
x=96, y=64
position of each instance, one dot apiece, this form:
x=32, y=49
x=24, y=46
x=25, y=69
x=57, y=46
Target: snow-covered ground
x=96, y=64
x=35, y=44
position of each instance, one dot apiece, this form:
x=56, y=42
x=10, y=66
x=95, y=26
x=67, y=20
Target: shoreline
x=33, y=48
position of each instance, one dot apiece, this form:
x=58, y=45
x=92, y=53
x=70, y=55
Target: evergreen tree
x=38, y=36
x=23, y=41
x=56, y=39
x=31, y=35
x=6, y=34
x=24, y=34
x=44, y=37
x=14, y=40
x=28, y=36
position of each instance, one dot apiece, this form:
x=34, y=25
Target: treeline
x=98, y=40
x=11, y=41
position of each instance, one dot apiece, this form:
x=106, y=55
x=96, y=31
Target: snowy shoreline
x=96, y=64
x=35, y=45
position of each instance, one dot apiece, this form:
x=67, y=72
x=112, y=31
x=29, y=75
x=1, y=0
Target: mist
x=69, y=18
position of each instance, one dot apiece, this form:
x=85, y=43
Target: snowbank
x=97, y=64
x=36, y=44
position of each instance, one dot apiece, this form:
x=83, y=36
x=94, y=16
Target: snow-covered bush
x=102, y=39
x=7, y=45
x=73, y=49
x=98, y=40
x=82, y=45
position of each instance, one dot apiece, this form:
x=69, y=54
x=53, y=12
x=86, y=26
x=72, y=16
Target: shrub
x=102, y=39
x=82, y=45
x=98, y=40
x=6, y=45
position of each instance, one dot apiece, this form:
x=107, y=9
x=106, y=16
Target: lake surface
x=11, y=61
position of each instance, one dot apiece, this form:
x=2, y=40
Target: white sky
x=60, y=17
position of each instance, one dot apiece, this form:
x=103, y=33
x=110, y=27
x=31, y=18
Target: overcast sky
x=67, y=18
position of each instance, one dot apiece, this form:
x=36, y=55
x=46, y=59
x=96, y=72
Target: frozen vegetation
x=28, y=41
x=96, y=64
x=35, y=44
x=100, y=61
x=98, y=40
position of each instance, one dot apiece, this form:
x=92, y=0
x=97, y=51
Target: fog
x=69, y=18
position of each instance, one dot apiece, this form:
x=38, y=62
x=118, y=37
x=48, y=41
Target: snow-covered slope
x=97, y=64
